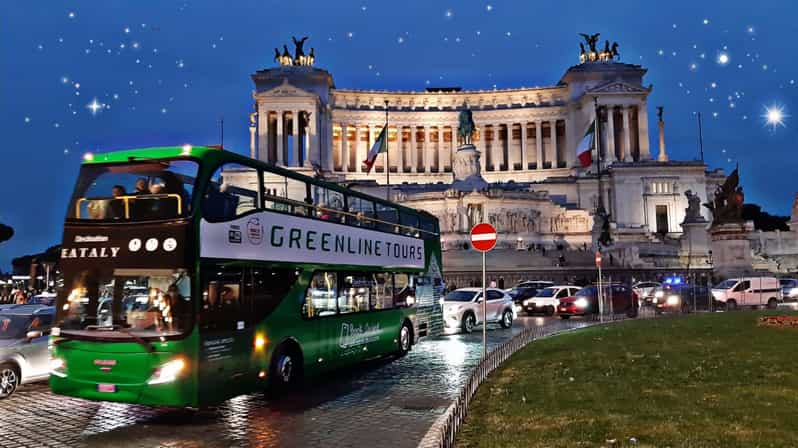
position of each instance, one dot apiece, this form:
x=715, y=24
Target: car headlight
x=58, y=367
x=794, y=292
x=167, y=372
x=672, y=300
x=526, y=302
x=581, y=303
x=659, y=294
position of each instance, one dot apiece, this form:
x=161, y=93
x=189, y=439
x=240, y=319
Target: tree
x=763, y=220
x=6, y=232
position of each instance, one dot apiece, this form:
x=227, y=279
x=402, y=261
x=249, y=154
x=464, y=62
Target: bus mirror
x=34, y=334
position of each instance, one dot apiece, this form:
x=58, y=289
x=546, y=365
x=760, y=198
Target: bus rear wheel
x=405, y=341
x=285, y=371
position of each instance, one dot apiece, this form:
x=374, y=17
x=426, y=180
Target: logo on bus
x=254, y=231
x=353, y=335
x=234, y=234
x=89, y=252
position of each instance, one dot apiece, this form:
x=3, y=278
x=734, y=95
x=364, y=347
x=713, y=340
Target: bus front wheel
x=405, y=339
x=286, y=368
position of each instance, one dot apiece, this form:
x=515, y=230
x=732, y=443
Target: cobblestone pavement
x=385, y=403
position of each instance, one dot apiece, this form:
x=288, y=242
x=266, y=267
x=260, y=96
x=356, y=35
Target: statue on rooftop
x=591, y=40
x=277, y=55
x=298, y=45
x=614, y=50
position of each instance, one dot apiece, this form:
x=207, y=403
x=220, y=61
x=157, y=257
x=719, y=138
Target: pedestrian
x=501, y=282
x=20, y=298
x=493, y=283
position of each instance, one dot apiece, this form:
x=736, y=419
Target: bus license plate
x=106, y=388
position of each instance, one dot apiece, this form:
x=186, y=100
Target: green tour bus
x=194, y=274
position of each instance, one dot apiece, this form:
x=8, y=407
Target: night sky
x=165, y=72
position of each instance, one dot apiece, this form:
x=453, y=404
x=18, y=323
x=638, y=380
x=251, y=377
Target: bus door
x=225, y=336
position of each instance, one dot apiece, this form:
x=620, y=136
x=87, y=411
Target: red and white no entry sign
x=483, y=237
x=598, y=259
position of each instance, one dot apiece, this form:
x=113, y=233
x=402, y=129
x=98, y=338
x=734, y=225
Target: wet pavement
x=383, y=403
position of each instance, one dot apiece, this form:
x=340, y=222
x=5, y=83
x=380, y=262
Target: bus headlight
x=581, y=303
x=673, y=300
x=167, y=372
x=57, y=367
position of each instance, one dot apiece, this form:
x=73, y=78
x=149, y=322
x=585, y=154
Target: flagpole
x=387, y=157
x=600, y=207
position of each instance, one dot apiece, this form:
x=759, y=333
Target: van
x=748, y=291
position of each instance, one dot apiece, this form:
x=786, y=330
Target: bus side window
x=221, y=299
x=229, y=193
x=409, y=224
x=388, y=218
x=264, y=290
x=321, y=295
x=404, y=294
x=355, y=292
x=382, y=296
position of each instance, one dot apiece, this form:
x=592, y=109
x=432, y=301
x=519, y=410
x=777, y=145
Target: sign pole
x=599, y=291
x=484, y=311
x=483, y=239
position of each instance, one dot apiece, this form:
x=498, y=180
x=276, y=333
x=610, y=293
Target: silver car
x=24, y=358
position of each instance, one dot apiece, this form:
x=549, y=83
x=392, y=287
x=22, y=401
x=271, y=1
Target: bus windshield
x=136, y=191
x=126, y=303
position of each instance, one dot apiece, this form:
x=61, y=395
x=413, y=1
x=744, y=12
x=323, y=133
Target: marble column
x=280, y=134
x=344, y=148
x=427, y=150
x=627, y=136
x=440, y=151
x=495, y=150
x=539, y=143
x=369, y=144
x=295, y=135
x=400, y=153
x=642, y=132
x=413, y=149
x=252, y=152
x=358, y=150
x=555, y=160
x=310, y=141
x=263, y=134
x=483, y=148
x=523, y=146
x=568, y=154
x=610, y=134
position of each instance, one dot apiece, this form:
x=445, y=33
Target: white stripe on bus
x=483, y=237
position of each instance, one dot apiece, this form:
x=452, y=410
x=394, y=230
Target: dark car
x=525, y=290
x=620, y=297
x=682, y=298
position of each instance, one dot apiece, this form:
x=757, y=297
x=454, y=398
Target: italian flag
x=583, y=149
x=380, y=145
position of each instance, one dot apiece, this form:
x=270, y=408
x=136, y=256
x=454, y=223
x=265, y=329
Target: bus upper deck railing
x=126, y=200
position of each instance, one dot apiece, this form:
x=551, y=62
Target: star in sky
x=774, y=116
x=95, y=106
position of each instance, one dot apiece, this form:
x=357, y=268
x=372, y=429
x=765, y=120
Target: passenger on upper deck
x=116, y=207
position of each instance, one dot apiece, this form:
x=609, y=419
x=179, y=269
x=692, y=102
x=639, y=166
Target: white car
x=462, y=308
x=748, y=291
x=646, y=290
x=547, y=299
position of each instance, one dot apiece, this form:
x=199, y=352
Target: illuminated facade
x=526, y=138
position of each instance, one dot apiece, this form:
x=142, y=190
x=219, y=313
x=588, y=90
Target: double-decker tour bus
x=193, y=274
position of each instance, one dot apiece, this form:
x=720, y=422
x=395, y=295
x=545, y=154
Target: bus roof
x=206, y=152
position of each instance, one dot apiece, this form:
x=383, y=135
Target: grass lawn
x=706, y=380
